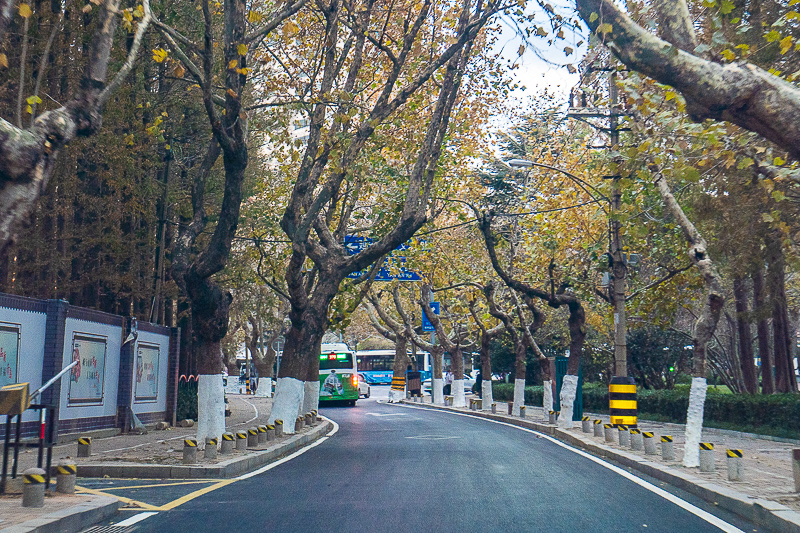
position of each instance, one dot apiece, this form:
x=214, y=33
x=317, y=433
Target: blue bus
x=377, y=365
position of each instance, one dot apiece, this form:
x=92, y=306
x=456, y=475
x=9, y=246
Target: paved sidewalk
x=767, y=489
x=159, y=452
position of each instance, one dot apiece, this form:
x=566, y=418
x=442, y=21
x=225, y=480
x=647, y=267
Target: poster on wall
x=9, y=353
x=146, y=386
x=86, y=378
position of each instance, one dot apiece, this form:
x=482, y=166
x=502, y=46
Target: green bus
x=338, y=374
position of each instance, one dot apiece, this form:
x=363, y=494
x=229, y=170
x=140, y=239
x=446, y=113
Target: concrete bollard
x=189, y=451
x=262, y=434
x=624, y=436
x=252, y=437
x=494, y=408
x=227, y=443
x=637, y=442
x=667, y=448
x=510, y=407
x=552, y=417
x=298, y=424
x=210, y=451
x=479, y=404
x=706, y=457
x=598, y=428
x=278, y=427
x=448, y=401
x=270, y=433
x=241, y=440
x=472, y=404
x=314, y=415
x=84, y=446
x=33, y=491
x=308, y=419
x=586, y=424
x=735, y=465
x=649, y=443
x=66, y=473
x=796, y=468
x=522, y=411
x=608, y=432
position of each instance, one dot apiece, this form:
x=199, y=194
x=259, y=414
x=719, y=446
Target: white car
x=363, y=387
x=469, y=381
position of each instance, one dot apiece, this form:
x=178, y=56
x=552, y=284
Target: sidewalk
x=156, y=454
x=765, y=496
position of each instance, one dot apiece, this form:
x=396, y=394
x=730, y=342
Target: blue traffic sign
x=426, y=324
x=393, y=267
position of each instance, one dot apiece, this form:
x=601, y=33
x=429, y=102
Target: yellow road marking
x=120, y=498
x=191, y=496
x=158, y=485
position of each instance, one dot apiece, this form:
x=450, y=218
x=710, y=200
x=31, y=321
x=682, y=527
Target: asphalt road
x=392, y=468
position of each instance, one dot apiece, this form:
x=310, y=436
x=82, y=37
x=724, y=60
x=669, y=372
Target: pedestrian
x=479, y=383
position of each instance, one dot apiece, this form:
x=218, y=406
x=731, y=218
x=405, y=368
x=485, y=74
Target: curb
x=75, y=518
x=222, y=470
x=761, y=512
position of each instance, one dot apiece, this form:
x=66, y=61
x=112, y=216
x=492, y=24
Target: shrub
x=187, y=400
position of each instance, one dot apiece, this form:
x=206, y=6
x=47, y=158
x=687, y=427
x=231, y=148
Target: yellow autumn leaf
x=728, y=55
x=786, y=44
x=290, y=29
x=3, y=61
x=605, y=28
x=232, y=64
x=159, y=55
x=25, y=11
x=179, y=71
x=242, y=49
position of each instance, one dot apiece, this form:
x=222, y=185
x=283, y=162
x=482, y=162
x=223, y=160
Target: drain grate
x=108, y=529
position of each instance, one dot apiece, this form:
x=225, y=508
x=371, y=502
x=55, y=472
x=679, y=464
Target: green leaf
x=772, y=36
x=779, y=161
x=778, y=195
x=595, y=16
x=726, y=7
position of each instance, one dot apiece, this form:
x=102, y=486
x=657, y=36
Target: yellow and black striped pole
x=84, y=446
x=622, y=401
x=706, y=457
x=228, y=442
x=735, y=465
x=667, y=448
x=33, y=489
x=66, y=473
x=399, y=383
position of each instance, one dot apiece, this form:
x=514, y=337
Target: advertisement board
x=86, y=378
x=9, y=353
x=146, y=385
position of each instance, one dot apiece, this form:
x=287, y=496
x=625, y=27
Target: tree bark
x=781, y=329
x=762, y=328
x=746, y=359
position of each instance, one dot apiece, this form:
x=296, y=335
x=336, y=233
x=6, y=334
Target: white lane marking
x=683, y=504
x=434, y=437
x=254, y=408
x=387, y=414
x=134, y=519
x=292, y=456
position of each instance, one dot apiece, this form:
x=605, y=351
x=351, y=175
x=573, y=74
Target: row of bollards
x=35, y=483
x=639, y=440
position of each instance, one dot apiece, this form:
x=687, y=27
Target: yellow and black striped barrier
x=227, y=444
x=706, y=457
x=65, y=477
x=189, y=451
x=735, y=453
x=624, y=436
x=210, y=451
x=33, y=489
x=648, y=438
x=622, y=401
x=637, y=441
x=278, y=427
x=262, y=434
x=34, y=478
x=608, y=430
x=706, y=446
x=84, y=446
x=735, y=465
x=67, y=470
x=667, y=448
x=666, y=438
x=298, y=423
x=598, y=427
x=398, y=383
x=586, y=424
x=192, y=443
x=252, y=437
x=241, y=440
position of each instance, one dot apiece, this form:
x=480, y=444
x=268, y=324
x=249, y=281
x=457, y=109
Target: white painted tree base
x=694, y=422
x=310, y=396
x=547, y=397
x=286, y=405
x=569, y=388
x=264, y=389
x=210, y=407
x=395, y=396
x=519, y=395
x=486, y=392
x=438, y=391
x=457, y=390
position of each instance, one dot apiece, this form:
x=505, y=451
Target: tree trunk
x=762, y=328
x=486, y=371
x=746, y=359
x=399, y=367
x=781, y=334
x=457, y=367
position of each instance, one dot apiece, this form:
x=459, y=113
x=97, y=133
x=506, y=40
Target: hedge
x=774, y=414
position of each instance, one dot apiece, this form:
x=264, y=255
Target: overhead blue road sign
x=393, y=267
x=426, y=324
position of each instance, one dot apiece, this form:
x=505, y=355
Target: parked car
x=469, y=381
x=363, y=387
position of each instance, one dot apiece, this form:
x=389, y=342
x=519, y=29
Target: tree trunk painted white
x=289, y=394
x=264, y=389
x=519, y=395
x=569, y=388
x=694, y=422
x=457, y=390
x=396, y=396
x=547, y=396
x=486, y=392
x=210, y=407
x=438, y=391
x=310, y=396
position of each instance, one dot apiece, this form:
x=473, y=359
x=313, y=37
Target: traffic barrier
x=313, y=416
x=210, y=451
x=33, y=490
x=649, y=443
x=706, y=457
x=522, y=411
x=66, y=473
x=298, y=423
x=637, y=442
x=448, y=400
x=308, y=419
x=270, y=432
x=252, y=438
x=624, y=436
x=735, y=465
x=552, y=417
x=227, y=443
x=494, y=408
x=598, y=428
x=608, y=431
x=667, y=448
x=262, y=434
x=241, y=440
x=278, y=427
x=84, y=446
x=189, y=451
x=586, y=424
x=622, y=401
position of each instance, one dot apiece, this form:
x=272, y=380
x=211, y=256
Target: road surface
x=403, y=469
